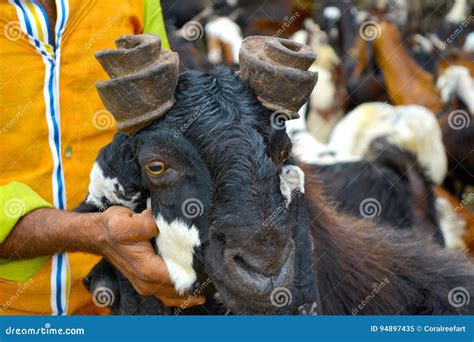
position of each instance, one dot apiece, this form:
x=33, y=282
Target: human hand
x=124, y=239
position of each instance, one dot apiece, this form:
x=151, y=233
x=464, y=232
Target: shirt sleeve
x=17, y=200
x=153, y=20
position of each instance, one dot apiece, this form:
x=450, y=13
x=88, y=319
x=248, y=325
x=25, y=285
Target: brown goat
x=406, y=81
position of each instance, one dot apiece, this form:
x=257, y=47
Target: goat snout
x=260, y=269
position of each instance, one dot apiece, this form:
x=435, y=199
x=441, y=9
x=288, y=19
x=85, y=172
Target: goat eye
x=155, y=168
x=283, y=155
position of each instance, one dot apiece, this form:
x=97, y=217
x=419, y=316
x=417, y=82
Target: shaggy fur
x=354, y=258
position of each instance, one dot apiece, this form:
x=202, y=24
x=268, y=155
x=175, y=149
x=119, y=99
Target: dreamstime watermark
x=459, y=119
x=278, y=119
x=271, y=219
x=369, y=30
x=459, y=297
x=103, y=296
x=192, y=30
x=102, y=120
x=18, y=115
x=457, y=32
x=108, y=24
x=192, y=208
x=287, y=22
x=14, y=208
x=192, y=119
x=46, y=330
x=370, y=208
x=12, y=31
x=280, y=297
x=377, y=288
x=198, y=291
x=21, y=288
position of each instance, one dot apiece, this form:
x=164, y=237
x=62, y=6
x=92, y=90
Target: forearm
x=50, y=231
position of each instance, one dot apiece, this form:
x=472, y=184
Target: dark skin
x=49, y=7
x=118, y=234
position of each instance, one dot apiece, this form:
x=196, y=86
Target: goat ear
x=143, y=81
x=305, y=290
x=277, y=70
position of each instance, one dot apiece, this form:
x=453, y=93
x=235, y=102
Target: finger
x=141, y=260
x=147, y=211
x=150, y=268
x=171, y=302
x=145, y=225
x=159, y=271
x=183, y=303
x=199, y=300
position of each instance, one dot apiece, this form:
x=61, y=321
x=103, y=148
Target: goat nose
x=266, y=261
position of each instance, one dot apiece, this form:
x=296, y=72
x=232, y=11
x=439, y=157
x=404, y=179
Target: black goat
x=254, y=234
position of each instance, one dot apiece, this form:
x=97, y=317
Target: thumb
x=144, y=225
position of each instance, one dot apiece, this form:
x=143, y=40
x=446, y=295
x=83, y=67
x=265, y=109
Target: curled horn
x=143, y=79
x=277, y=70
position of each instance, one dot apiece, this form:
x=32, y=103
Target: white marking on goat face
x=291, y=180
x=148, y=202
x=176, y=242
x=101, y=186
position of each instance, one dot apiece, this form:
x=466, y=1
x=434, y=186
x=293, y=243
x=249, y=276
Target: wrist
x=88, y=233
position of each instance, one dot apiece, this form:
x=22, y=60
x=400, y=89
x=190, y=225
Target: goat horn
x=277, y=70
x=143, y=81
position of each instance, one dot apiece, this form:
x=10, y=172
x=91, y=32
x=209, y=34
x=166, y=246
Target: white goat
x=412, y=127
x=456, y=80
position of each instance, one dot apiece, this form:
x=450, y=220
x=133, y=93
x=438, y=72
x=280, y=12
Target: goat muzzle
x=277, y=70
x=143, y=81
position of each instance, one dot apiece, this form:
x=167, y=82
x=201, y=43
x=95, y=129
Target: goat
x=457, y=125
x=409, y=84
x=469, y=43
x=456, y=221
x=456, y=81
x=260, y=228
x=389, y=187
x=458, y=137
x=458, y=12
x=422, y=50
x=223, y=40
x=326, y=105
x=278, y=17
x=411, y=127
x=362, y=78
x=387, y=184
